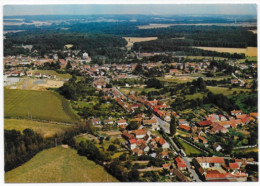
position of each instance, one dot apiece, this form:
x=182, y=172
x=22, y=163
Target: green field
x=139, y=90
x=194, y=96
x=58, y=165
x=225, y=91
x=45, y=129
x=189, y=149
x=52, y=72
x=43, y=105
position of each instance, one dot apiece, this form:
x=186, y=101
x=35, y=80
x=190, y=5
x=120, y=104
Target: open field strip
x=58, y=164
x=43, y=105
x=249, y=51
x=45, y=129
x=132, y=40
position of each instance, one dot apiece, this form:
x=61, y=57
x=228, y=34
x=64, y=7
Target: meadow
x=58, y=164
x=249, y=51
x=43, y=105
x=45, y=129
x=225, y=91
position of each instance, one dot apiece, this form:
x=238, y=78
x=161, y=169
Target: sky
x=154, y=9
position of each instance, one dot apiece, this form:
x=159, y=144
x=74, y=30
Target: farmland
x=43, y=105
x=132, y=40
x=249, y=51
x=45, y=129
x=58, y=165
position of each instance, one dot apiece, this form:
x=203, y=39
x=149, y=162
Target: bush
x=112, y=148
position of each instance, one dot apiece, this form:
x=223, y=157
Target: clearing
x=132, y=40
x=249, y=51
x=45, y=129
x=43, y=105
x=56, y=165
x=225, y=91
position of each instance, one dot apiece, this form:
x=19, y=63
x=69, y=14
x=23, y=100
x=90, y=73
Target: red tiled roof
x=210, y=159
x=204, y=123
x=133, y=141
x=184, y=127
x=180, y=162
x=233, y=165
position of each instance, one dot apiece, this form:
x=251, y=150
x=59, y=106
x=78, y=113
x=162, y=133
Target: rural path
x=25, y=84
x=237, y=78
x=244, y=147
x=150, y=169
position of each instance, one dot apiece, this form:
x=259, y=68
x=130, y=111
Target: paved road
x=192, y=171
x=163, y=124
x=238, y=78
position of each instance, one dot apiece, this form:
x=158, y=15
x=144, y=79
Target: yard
x=51, y=72
x=58, y=164
x=43, y=105
x=189, y=149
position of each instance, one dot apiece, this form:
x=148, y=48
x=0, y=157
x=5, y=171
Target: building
x=180, y=163
x=207, y=162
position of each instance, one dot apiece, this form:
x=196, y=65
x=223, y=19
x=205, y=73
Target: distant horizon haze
x=132, y=9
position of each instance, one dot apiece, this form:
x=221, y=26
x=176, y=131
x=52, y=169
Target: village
x=145, y=130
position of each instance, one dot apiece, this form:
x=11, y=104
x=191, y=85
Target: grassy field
x=225, y=91
x=249, y=51
x=138, y=90
x=194, y=96
x=58, y=165
x=52, y=72
x=44, y=105
x=177, y=79
x=45, y=129
x=205, y=57
x=189, y=149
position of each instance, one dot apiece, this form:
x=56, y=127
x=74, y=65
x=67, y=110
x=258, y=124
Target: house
x=217, y=147
x=108, y=122
x=205, y=123
x=166, y=165
x=217, y=128
x=254, y=115
x=163, y=143
x=207, y=162
x=183, y=122
x=122, y=122
x=240, y=177
x=164, y=154
x=179, y=175
x=140, y=133
x=202, y=140
x=37, y=74
x=184, y=128
x=96, y=121
x=132, y=143
x=180, y=163
x=144, y=147
x=234, y=166
x=236, y=112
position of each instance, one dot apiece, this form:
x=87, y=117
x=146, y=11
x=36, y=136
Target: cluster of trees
x=130, y=81
x=219, y=100
x=75, y=90
x=20, y=147
x=45, y=43
x=153, y=82
x=170, y=45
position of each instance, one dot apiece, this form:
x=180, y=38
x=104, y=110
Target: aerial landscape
x=130, y=93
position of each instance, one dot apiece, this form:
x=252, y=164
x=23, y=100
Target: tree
x=132, y=126
x=173, y=125
x=133, y=175
x=68, y=66
x=112, y=148
x=138, y=69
